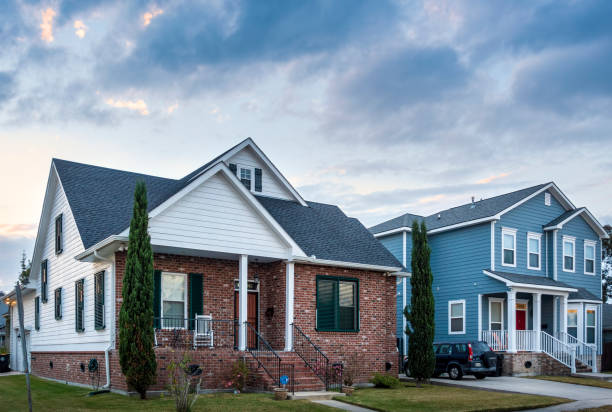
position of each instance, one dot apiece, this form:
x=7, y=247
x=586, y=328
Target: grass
x=52, y=396
x=576, y=381
x=445, y=398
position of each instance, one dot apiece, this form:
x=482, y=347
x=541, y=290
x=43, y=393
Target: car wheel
x=480, y=376
x=455, y=372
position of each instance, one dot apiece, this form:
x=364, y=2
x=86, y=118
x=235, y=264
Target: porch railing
x=179, y=333
x=526, y=340
x=496, y=339
x=585, y=353
x=558, y=350
x=265, y=356
x=315, y=359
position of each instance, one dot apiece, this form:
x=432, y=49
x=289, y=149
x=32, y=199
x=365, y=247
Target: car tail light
x=470, y=352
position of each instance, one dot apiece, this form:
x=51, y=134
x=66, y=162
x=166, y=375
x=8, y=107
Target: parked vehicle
x=463, y=358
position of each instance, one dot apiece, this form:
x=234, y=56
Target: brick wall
x=541, y=364
x=67, y=366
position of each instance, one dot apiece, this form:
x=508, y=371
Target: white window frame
x=586, y=324
x=501, y=301
x=186, y=297
x=593, y=244
x=508, y=231
x=572, y=240
x=252, y=169
x=538, y=237
x=454, y=302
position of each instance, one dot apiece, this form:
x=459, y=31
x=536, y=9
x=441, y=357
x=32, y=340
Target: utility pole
x=23, y=342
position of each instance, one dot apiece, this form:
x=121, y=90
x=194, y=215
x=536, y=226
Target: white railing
x=496, y=339
x=585, y=353
x=553, y=347
x=526, y=340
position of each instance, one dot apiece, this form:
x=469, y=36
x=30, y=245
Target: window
x=533, y=250
x=79, y=300
x=337, y=304
x=58, y=303
x=456, y=316
x=569, y=251
x=572, y=322
x=547, y=199
x=590, y=326
x=58, y=235
x=245, y=177
x=509, y=247
x=589, y=257
x=43, y=281
x=496, y=314
x=173, y=293
x=37, y=313
x=99, y=300
x=444, y=349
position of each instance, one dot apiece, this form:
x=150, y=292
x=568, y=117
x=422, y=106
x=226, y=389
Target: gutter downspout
x=112, y=329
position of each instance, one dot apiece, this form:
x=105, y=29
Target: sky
x=381, y=107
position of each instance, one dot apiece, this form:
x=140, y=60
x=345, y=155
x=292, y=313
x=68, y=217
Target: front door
x=252, y=317
x=521, y=319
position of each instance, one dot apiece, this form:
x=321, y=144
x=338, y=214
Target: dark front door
x=252, y=318
x=521, y=319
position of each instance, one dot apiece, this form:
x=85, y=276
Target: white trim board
x=529, y=286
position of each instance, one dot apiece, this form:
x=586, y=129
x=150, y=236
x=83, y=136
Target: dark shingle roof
x=101, y=201
x=562, y=217
x=607, y=316
x=326, y=232
x=583, y=294
x=531, y=280
x=460, y=214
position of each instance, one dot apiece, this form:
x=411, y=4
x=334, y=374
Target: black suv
x=463, y=358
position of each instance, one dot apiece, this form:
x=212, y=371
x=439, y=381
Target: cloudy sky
x=380, y=107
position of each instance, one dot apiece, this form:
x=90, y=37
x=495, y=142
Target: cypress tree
x=136, y=354
x=420, y=313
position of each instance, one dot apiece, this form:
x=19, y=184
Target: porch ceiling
x=541, y=283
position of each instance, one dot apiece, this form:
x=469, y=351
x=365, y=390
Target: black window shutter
x=258, y=177
x=99, y=300
x=58, y=303
x=58, y=234
x=233, y=168
x=326, y=304
x=79, y=299
x=196, y=297
x=157, y=298
x=37, y=313
x=43, y=281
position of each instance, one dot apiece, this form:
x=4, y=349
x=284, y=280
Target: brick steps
x=304, y=377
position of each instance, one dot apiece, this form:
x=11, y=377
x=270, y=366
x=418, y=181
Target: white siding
x=63, y=270
x=271, y=185
x=215, y=216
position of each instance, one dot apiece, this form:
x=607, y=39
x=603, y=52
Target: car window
x=435, y=348
x=460, y=348
x=444, y=349
x=480, y=347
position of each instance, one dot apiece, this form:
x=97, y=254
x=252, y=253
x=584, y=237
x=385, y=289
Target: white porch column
x=511, y=321
x=555, y=316
x=289, y=298
x=242, y=298
x=563, y=315
x=537, y=319
x=479, y=317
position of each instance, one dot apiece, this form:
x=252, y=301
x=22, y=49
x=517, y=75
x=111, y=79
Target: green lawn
x=576, y=380
x=445, y=398
x=52, y=396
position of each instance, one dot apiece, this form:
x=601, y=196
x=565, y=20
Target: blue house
x=521, y=271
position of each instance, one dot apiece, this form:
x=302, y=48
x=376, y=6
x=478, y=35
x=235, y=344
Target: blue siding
x=528, y=217
x=394, y=243
x=578, y=228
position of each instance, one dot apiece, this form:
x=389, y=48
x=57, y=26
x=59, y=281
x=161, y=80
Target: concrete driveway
x=585, y=396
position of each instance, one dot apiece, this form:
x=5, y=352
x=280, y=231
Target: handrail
x=558, y=350
x=586, y=353
x=270, y=364
x=316, y=360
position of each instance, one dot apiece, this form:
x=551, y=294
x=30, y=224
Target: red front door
x=521, y=319
x=251, y=317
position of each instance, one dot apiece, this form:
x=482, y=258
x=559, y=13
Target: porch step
x=304, y=378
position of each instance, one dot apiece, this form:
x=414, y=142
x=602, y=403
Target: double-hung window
x=589, y=257
x=508, y=247
x=58, y=303
x=456, y=317
x=590, y=325
x=246, y=176
x=572, y=322
x=569, y=253
x=173, y=300
x=496, y=314
x=59, y=247
x=534, y=241
x=337, y=304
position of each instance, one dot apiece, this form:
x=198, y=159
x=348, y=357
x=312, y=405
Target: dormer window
x=251, y=177
x=246, y=177
x=59, y=238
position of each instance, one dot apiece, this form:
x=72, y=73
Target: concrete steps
x=315, y=395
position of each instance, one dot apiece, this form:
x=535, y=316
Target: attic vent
x=439, y=215
x=547, y=199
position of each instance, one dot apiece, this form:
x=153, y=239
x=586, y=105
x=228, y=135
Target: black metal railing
x=181, y=332
x=315, y=359
x=264, y=355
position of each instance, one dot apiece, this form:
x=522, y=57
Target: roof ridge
x=214, y=160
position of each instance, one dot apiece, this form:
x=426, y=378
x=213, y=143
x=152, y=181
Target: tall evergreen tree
x=136, y=354
x=25, y=266
x=420, y=313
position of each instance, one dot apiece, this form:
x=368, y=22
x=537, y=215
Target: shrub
x=351, y=369
x=184, y=383
x=240, y=372
x=385, y=381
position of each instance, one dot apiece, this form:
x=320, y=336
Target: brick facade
x=531, y=364
x=68, y=366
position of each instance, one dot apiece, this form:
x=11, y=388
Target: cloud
x=81, y=28
x=170, y=109
x=17, y=230
x=136, y=105
x=492, y=178
x=149, y=15
x=7, y=86
x=46, y=27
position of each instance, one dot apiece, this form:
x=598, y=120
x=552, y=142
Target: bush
x=240, y=372
x=184, y=383
x=385, y=381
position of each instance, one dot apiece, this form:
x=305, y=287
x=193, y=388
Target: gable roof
x=571, y=214
x=583, y=294
x=471, y=212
